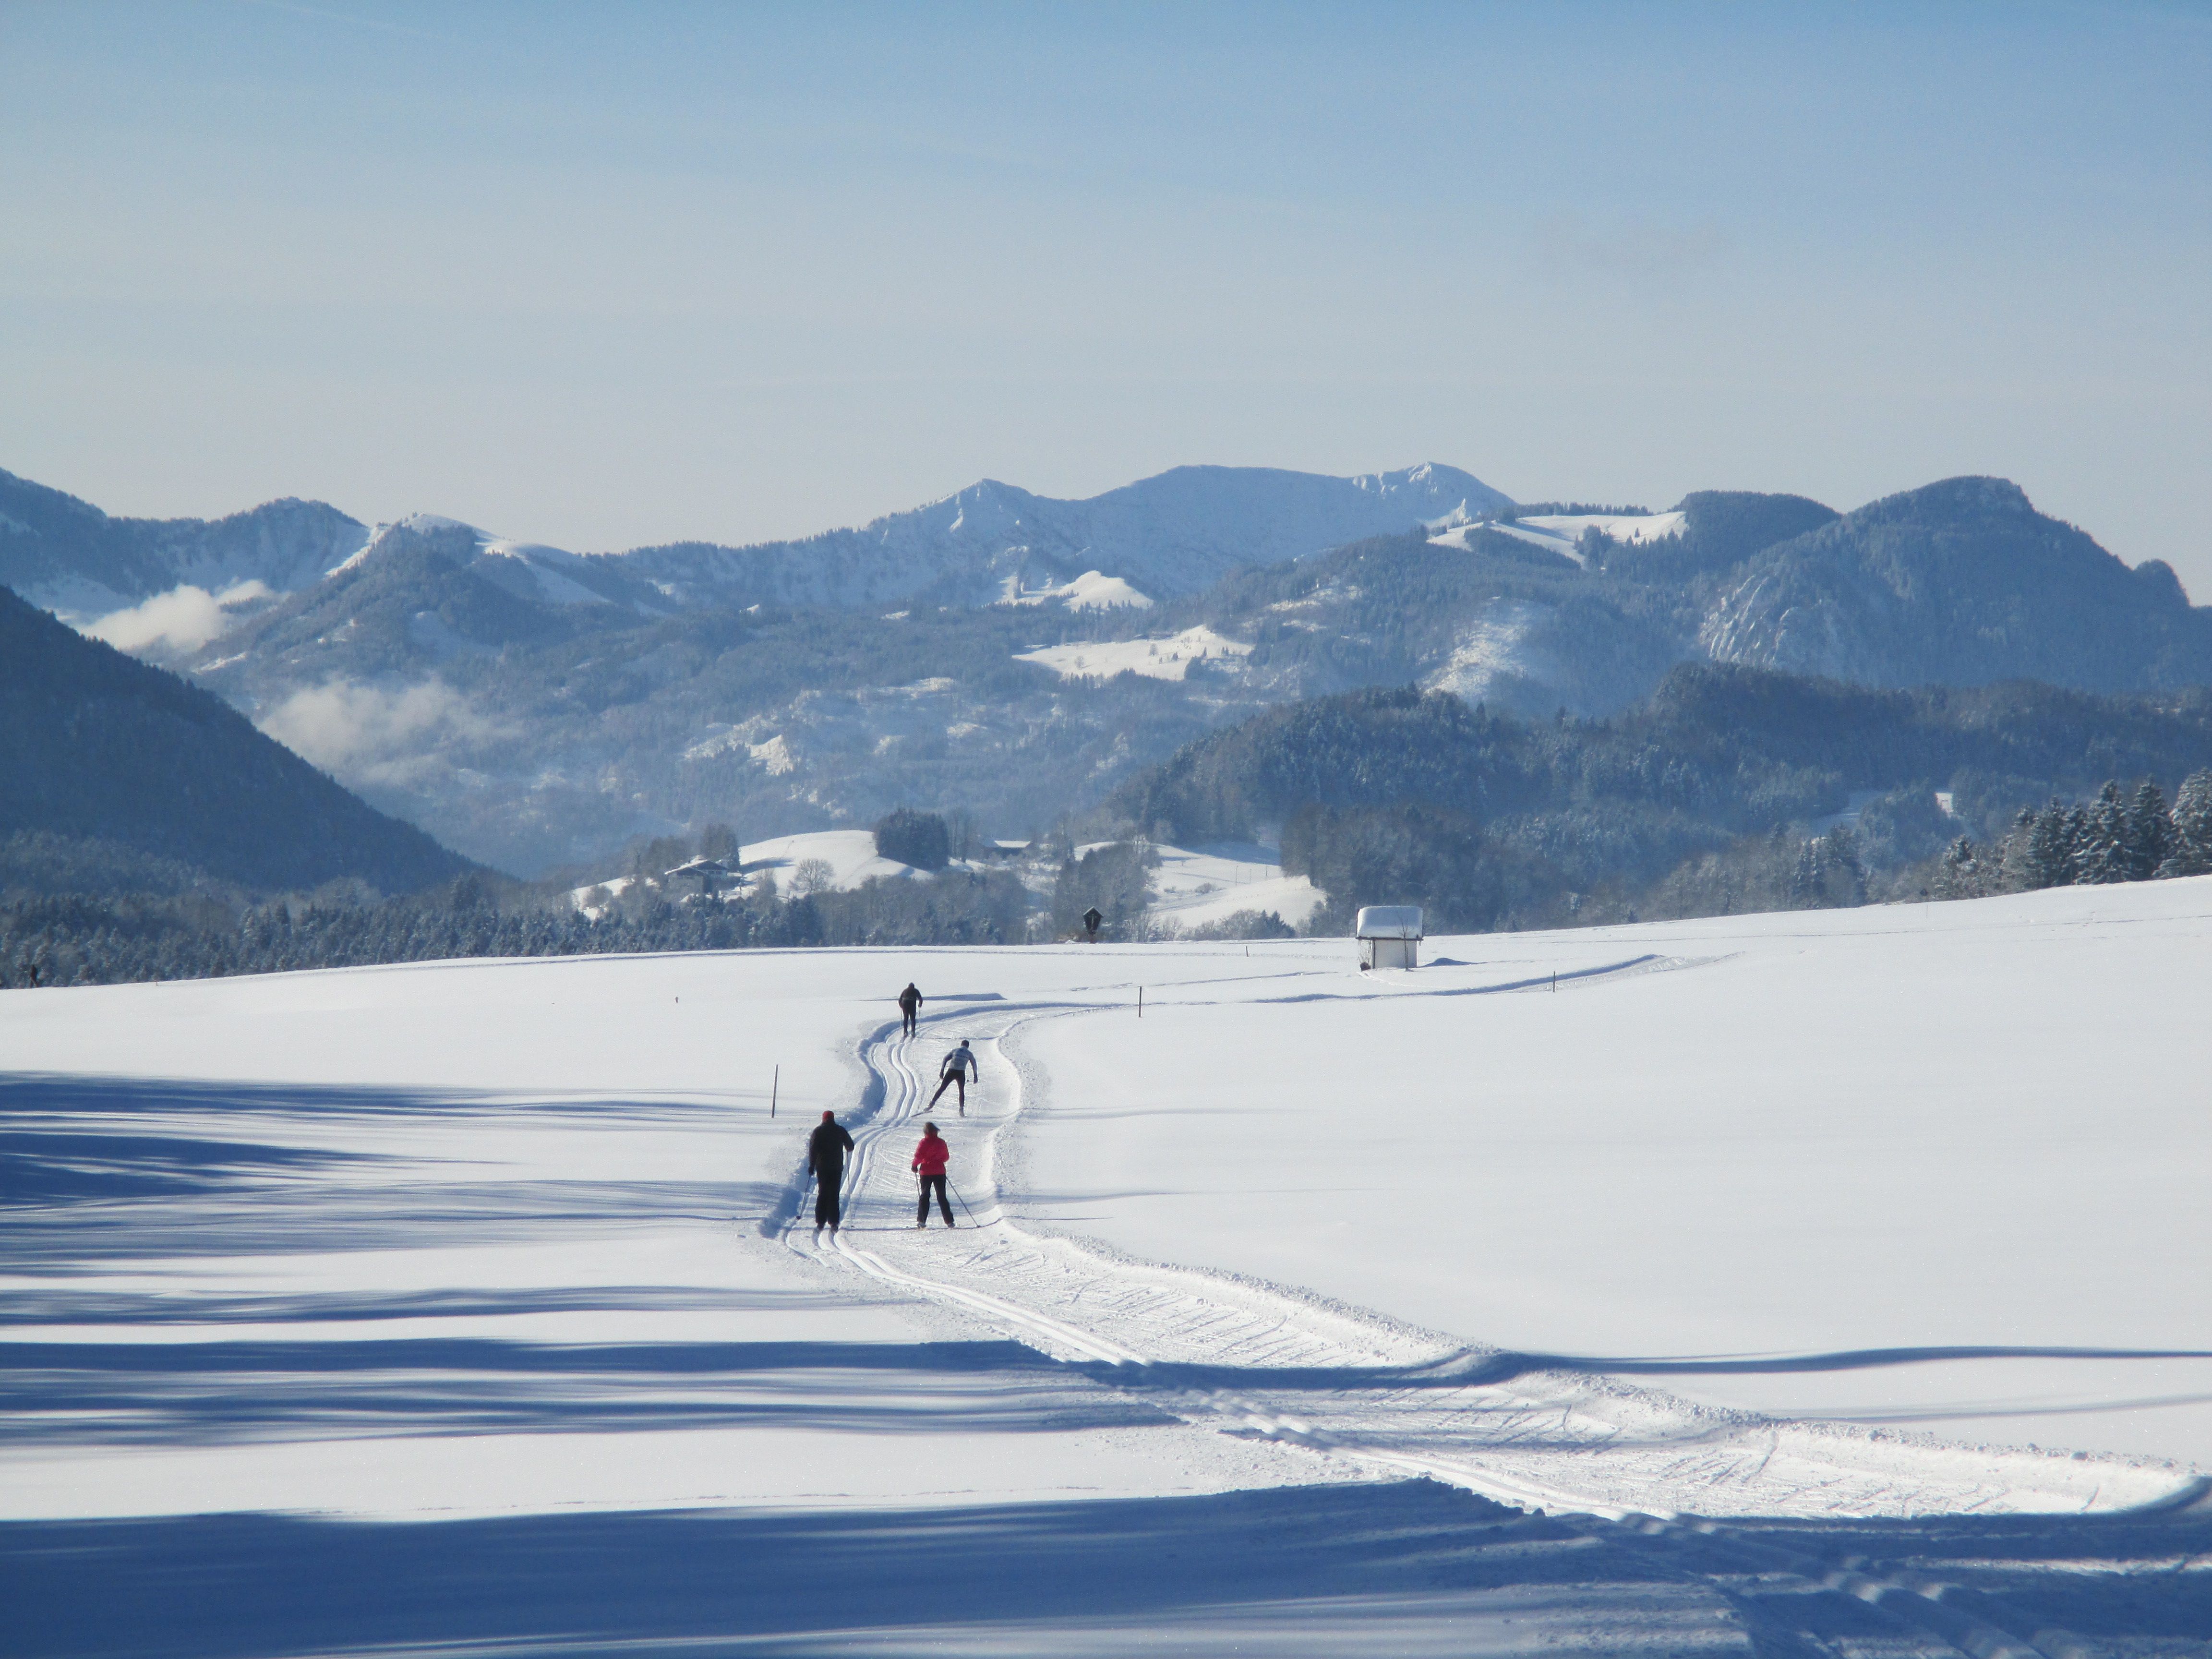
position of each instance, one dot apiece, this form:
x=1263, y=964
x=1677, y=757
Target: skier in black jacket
x=909, y=1002
x=825, y=1155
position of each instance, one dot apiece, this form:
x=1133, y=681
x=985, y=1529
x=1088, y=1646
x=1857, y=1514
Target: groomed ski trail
x=1630, y=1466
x=1252, y=1358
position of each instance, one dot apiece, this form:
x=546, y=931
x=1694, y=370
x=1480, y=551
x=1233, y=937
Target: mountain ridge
x=1168, y=534
x=535, y=707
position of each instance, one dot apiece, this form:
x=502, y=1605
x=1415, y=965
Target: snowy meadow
x=1814, y=1282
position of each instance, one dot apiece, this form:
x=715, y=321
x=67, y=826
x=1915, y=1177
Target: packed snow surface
x=1827, y=1227
x=1164, y=658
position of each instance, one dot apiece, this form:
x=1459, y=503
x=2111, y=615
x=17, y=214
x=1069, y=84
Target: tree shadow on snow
x=90, y=1171
x=1403, y=1567
x=239, y=1586
x=226, y=1392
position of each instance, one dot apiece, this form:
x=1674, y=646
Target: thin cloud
x=183, y=619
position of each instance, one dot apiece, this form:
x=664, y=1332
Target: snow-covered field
x=1196, y=886
x=850, y=855
x=1167, y=658
x=1091, y=591
x=1562, y=533
x=1294, y=1298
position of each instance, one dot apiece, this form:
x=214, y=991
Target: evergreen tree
x=2100, y=848
x=1843, y=875
x=2050, y=855
x=920, y=838
x=1961, y=875
x=2191, y=853
x=1805, y=891
x=2149, y=831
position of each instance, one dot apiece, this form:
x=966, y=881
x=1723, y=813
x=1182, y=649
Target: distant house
x=1007, y=849
x=1389, y=936
x=708, y=872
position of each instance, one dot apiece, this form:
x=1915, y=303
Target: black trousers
x=946, y=1082
x=945, y=1204
x=826, y=1186
x=909, y=1014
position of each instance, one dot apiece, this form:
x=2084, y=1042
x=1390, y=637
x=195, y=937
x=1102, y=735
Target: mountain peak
x=1969, y=495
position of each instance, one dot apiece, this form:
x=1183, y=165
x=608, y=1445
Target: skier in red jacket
x=930, y=1158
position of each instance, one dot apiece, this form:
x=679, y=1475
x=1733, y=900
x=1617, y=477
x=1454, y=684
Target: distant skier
x=825, y=1155
x=909, y=1007
x=959, y=1066
x=930, y=1158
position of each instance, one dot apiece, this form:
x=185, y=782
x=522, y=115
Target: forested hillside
x=1492, y=817
x=1960, y=583
x=96, y=746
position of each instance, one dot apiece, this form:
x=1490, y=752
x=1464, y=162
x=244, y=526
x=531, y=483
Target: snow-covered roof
x=1389, y=921
x=701, y=867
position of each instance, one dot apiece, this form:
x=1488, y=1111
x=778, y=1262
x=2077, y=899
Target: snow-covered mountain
x=68, y=557
x=534, y=706
x=1174, y=534
x=170, y=587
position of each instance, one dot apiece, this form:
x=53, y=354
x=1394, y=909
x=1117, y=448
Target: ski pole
x=964, y=1203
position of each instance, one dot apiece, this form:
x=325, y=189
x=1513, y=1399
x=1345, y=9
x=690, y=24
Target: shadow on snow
x=1407, y=1567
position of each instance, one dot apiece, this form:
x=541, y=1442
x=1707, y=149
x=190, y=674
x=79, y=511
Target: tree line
x=102, y=938
x=2111, y=839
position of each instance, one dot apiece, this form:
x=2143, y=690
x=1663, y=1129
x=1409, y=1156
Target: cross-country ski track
x=1261, y=1361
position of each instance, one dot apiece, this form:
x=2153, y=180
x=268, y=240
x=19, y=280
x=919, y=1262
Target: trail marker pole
x=1140, y=1002
x=774, y=1088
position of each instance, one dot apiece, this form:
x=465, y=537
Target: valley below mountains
x=1022, y=659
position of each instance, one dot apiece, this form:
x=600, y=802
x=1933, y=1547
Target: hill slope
x=1960, y=583
x=94, y=744
x=1389, y=796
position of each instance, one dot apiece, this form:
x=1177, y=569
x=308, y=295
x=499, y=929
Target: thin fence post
x=775, y=1089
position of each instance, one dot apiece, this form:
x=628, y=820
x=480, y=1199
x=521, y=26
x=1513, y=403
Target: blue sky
x=609, y=275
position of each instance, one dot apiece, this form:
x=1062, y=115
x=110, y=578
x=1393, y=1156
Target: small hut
x=1389, y=936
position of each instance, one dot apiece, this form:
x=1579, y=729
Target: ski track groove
x=1591, y=1453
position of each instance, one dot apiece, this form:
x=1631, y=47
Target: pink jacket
x=932, y=1155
